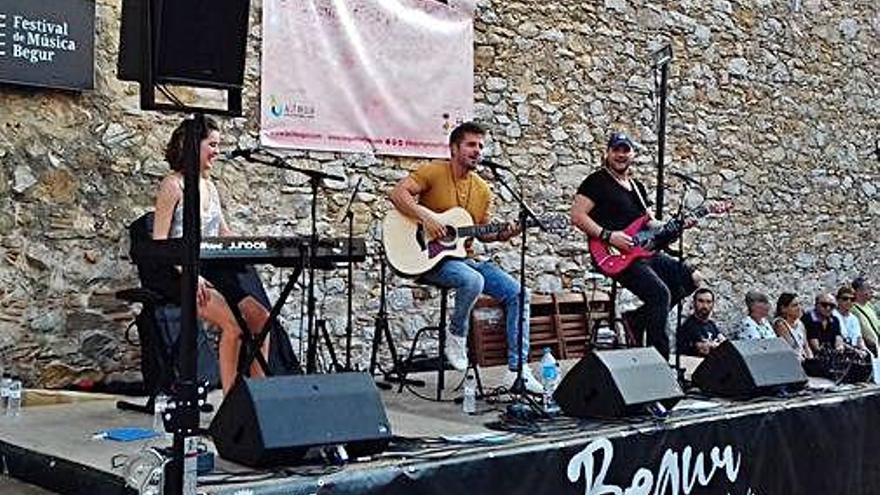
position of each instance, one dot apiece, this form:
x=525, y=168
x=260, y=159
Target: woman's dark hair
x=784, y=300
x=174, y=150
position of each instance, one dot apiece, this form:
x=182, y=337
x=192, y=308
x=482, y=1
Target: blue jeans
x=469, y=279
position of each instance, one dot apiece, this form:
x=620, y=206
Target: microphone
x=245, y=152
x=495, y=166
x=685, y=178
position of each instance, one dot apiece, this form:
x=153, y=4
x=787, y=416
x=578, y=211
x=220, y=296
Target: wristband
x=605, y=235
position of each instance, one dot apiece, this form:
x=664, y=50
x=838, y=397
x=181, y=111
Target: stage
x=821, y=440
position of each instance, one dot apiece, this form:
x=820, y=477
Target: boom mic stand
x=349, y=326
x=315, y=177
x=679, y=253
x=518, y=390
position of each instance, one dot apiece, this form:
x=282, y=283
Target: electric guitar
x=411, y=253
x=646, y=240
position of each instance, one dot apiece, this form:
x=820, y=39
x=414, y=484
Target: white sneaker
x=531, y=383
x=456, y=351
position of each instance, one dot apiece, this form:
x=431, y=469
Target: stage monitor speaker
x=195, y=42
x=617, y=383
x=276, y=420
x=748, y=368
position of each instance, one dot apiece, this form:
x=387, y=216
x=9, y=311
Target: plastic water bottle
x=5, y=382
x=469, y=404
x=13, y=401
x=549, y=379
x=160, y=404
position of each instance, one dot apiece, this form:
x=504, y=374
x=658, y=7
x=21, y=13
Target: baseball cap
x=860, y=282
x=620, y=139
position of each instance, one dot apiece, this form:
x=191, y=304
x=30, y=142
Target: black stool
x=611, y=321
x=440, y=328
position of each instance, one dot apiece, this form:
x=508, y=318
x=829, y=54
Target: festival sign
x=50, y=43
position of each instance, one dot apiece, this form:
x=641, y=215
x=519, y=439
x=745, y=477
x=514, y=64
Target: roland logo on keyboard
x=243, y=245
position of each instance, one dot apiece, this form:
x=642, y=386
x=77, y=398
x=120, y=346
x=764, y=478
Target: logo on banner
x=291, y=108
x=679, y=473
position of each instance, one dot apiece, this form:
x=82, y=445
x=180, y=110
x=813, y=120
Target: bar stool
x=611, y=321
x=440, y=328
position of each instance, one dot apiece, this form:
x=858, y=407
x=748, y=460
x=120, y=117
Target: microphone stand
x=315, y=177
x=349, y=326
x=517, y=409
x=679, y=370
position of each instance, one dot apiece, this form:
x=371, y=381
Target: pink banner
x=369, y=76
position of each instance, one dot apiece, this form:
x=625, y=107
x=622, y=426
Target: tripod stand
x=381, y=329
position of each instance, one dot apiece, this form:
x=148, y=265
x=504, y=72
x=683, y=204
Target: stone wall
x=772, y=104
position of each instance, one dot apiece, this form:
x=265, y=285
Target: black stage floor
x=822, y=440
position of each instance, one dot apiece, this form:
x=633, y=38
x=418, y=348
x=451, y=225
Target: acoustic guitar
x=411, y=253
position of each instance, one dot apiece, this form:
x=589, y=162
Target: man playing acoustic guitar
x=436, y=187
x=607, y=202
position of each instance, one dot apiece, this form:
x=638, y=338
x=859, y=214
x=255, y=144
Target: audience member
x=868, y=319
x=823, y=329
x=755, y=324
x=837, y=360
x=698, y=335
x=788, y=325
x=850, y=329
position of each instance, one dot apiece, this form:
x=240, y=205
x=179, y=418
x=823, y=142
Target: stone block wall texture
x=773, y=104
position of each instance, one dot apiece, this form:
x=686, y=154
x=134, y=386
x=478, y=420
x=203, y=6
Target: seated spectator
x=836, y=360
x=698, y=335
x=850, y=329
x=868, y=319
x=755, y=325
x=788, y=325
x=823, y=329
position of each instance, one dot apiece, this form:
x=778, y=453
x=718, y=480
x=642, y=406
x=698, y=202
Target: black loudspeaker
x=618, y=383
x=276, y=420
x=748, y=368
x=195, y=42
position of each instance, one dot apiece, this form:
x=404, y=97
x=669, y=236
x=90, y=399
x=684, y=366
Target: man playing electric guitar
x=608, y=201
x=443, y=184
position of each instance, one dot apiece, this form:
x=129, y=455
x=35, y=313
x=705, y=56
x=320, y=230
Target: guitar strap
x=638, y=192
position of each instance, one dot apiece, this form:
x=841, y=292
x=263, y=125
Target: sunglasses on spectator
x=846, y=298
x=827, y=304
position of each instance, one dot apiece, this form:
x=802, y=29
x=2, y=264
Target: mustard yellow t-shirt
x=442, y=191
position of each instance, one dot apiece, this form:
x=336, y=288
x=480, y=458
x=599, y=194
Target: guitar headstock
x=719, y=207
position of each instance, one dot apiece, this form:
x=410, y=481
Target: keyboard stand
x=253, y=345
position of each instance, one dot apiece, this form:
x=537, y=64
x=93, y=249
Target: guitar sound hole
x=420, y=237
x=450, y=234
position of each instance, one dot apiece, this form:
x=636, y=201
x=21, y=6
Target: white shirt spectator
x=850, y=329
x=748, y=328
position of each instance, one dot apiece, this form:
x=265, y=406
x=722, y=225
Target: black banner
x=49, y=43
x=827, y=444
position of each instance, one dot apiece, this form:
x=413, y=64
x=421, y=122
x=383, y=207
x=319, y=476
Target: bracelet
x=605, y=235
